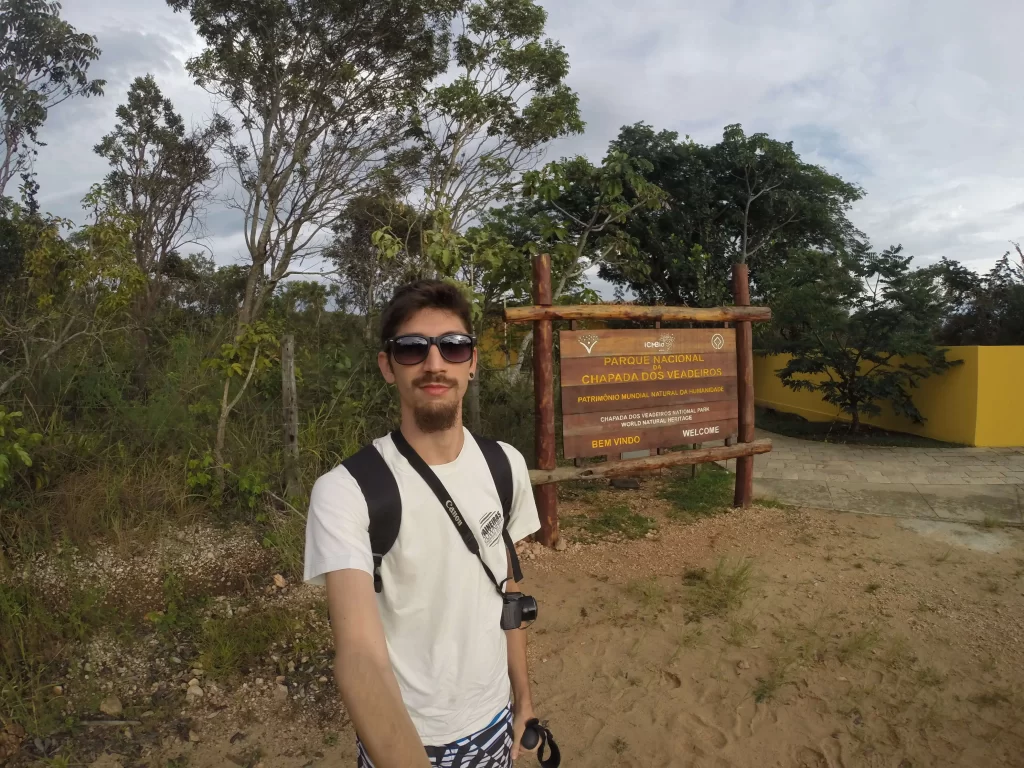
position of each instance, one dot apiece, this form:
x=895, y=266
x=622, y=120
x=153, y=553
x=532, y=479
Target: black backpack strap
x=501, y=472
x=383, y=503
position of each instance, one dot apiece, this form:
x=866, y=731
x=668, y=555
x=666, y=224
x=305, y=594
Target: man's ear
x=384, y=363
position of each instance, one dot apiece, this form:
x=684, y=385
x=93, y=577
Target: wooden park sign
x=644, y=389
x=626, y=390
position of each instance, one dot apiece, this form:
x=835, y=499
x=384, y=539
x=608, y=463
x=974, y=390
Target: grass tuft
x=231, y=646
x=701, y=496
x=858, y=644
x=617, y=520
x=719, y=592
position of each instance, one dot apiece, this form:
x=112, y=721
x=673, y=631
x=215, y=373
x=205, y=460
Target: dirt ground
x=769, y=637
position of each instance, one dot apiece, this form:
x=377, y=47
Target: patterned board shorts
x=489, y=748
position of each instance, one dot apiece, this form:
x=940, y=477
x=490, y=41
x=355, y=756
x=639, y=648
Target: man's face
x=431, y=390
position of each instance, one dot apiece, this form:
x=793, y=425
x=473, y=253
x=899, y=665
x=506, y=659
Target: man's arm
x=366, y=681
x=519, y=676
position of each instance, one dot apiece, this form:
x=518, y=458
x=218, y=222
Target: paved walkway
x=980, y=485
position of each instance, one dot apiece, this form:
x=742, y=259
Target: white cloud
x=917, y=101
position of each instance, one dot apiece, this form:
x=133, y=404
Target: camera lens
x=529, y=606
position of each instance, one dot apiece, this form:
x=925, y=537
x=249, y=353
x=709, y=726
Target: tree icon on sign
x=588, y=342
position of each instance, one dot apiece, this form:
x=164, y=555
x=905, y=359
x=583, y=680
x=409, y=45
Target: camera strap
x=435, y=484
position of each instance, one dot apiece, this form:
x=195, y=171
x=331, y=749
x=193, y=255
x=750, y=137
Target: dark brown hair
x=423, y=294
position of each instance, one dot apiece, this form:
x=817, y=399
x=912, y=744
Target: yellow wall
x=1001, y=397
x=955, y=405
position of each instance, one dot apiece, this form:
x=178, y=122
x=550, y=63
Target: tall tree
x=859, y=328
x=368, y=275
x=577, y=212
x=161, y=176
x=319, y=92
x=44, y=61
x=505, y=100
x=747, y=199
x=986, y=310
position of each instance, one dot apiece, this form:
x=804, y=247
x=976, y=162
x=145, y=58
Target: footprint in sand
x=706, y=732
x=806, y=757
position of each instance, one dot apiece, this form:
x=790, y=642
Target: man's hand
x=522, y=715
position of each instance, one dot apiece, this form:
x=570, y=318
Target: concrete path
x=975, y=485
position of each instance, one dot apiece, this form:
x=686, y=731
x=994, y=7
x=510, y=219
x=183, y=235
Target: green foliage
x=506, y=98
x=984, y=310
x=253, y=351
x=43, y=62
x=746, y=199
x=860, y=329
x=15, y=444
x=198, y=475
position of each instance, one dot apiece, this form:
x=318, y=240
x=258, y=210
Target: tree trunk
x=218, y=445
x=855, y=422
x=292, y=473
x=517, y=369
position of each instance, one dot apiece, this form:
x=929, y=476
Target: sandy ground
x=860, y=641
x=869, y=642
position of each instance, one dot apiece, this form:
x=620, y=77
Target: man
x=423, y=667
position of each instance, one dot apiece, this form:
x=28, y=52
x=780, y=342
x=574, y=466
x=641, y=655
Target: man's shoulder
x=340, y=478
x=515, y=458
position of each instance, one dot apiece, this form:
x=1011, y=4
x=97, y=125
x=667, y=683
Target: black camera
x=517, y=609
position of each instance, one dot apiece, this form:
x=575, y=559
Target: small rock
x=323, y=679
x=58, y=690
x=560, y=545
x=280, y=581
x=291, y=667
x=305, y=659
x=111, y=706
x=281, y=692
x=197, y=673
x=175, y=660
x=743, y=665
x=194, y=693
x=843, y=679
x=87, y=666
x=192, y=682
x=279, y=679
x=193, y=736
x=259, y=681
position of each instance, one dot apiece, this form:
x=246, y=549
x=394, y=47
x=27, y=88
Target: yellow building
x=976, y=403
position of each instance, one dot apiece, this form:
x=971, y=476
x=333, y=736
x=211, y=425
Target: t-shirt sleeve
x=337, y=527
x=523, y=520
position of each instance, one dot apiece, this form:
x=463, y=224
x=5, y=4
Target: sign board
x=635, y=390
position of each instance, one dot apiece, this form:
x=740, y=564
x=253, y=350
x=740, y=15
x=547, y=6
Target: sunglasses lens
x=456, y=348
x=410, y=350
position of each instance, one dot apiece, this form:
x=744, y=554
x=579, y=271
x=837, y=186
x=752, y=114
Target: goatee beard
x=436, y=418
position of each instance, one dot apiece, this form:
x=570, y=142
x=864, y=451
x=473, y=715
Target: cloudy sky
x=918, y=101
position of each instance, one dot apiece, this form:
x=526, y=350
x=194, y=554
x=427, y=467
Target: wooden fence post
x=292, y=467
x=544, y=397
x=744, y=493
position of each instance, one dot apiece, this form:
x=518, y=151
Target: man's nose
x=434, y=362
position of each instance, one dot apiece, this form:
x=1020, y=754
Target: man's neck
x=435, y=447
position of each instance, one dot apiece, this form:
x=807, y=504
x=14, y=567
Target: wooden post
x=292, y=467
x=744, y=493
x=544, y=398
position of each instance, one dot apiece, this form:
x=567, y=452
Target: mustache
x=434, y=378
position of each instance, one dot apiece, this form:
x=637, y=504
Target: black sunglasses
x=414, y=348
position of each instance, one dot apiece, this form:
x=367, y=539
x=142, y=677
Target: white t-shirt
x=441, y=613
